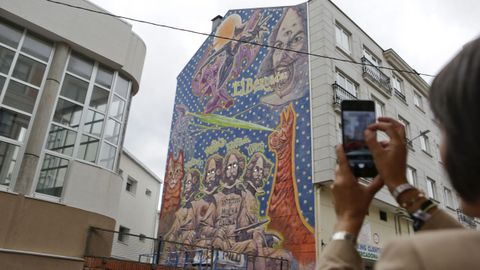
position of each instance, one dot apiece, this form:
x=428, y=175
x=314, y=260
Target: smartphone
x=357, y=115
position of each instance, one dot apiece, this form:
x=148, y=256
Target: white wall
x=137, y=211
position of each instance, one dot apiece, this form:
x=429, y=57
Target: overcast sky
x=426, y=34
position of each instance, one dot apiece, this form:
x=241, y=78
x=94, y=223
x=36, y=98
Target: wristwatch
x=343, y=235
x=400, y=189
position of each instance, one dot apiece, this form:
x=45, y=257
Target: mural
x=239, y=174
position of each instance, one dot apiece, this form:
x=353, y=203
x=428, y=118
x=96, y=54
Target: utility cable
x=236, y=40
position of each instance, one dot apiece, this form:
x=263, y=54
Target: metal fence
x=159, y=252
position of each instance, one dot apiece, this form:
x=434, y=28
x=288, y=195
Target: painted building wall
x=239, y=172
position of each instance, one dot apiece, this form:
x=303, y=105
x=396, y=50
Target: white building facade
x=67, y=78
x=378, y=76
x=137, y=213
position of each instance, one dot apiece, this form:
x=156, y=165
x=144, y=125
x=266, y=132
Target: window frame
x=431, y=184
x=413, y=171
x=133, y=183
x=123, y=234
x=348, y=81
x=344, y=33
x=418, y=100
x=425, y=144
x=448, y=198
x=80, y=129
x=8, y=77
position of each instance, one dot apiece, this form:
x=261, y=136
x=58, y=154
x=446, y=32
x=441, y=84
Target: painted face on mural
x=211, y=175
x=231, y=170
x=292, y=37
x=257, y=173
x=289, y=67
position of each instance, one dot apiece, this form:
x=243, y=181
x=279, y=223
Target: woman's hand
x=390, y=158
x=351, y=198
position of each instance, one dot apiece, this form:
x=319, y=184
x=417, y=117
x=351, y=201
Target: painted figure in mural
x=184, y=227
x=171, y=192
x=181, y=135
x=256, y=175
x=289, y=68
x=210, y=184
x=228, y=57
x=283, y=204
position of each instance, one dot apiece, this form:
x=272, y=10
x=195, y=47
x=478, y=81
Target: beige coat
x=441, y=244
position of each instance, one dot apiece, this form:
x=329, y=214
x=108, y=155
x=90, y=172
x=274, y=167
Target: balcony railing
x=339, y=94
x=466, y=220
x=373, y=73
x=400, y=95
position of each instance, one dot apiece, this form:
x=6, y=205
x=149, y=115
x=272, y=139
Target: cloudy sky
x=426, y=34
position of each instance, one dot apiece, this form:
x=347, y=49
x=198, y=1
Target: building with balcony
x=67, y=78
x=254, y=130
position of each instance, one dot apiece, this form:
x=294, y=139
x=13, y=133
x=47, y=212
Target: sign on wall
x=239, y=174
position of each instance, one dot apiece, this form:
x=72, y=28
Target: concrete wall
x=48, y=229
x=93, y=189
x=137, y=211
x=123, y=49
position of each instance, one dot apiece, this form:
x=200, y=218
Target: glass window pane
x=13, y=125
x=29, y=70
x=8, y=158
x=107, y=156
x=20, y=96
x=61, y=140
x=2, y=82
x=88, y=148
x=10, y=35
x=94, y=123
x=37, y=47
x=52, y=175
x=80, y=66
x=121, y=87
x=99, y=99
x=6, y=58
x=104, y=77
x=112, y=132
x=67, y=113
x=74, y=88
x=117, y=108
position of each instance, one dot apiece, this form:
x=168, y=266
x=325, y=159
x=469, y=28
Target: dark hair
x=455, y=102
x=267, y=166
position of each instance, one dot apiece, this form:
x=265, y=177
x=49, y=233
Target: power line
x=236, y=40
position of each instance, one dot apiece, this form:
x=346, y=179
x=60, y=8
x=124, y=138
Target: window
x=431, y=189
x=148, y=192
x=397, y=84
x=412, y=176
x=343, y=38
x=406, y=124
x=448, y=197
x=24, y=62
x=379, y=107
x=131, y=185
x=424, y=143
x=417, y=100
x=437, y=152
x=89, y=116
x=371, y=57
x=347, y=84
x=383, y=215
x=123, y=234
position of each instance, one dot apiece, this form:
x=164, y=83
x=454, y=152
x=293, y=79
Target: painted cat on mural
x=172, y=190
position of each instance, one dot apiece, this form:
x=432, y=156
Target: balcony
x=376, y=77
x=466, y=220
x=339, y=94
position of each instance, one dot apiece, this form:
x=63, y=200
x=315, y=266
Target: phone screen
x=355, y=120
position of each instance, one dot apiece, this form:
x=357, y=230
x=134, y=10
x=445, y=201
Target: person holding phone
x=443, y=243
